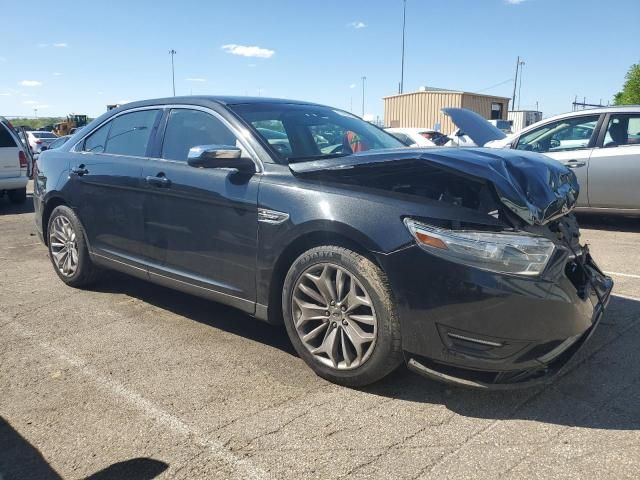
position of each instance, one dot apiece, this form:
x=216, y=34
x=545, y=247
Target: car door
x=105, y=183
x=570, y=141
x=614, y=169
x=201, y=223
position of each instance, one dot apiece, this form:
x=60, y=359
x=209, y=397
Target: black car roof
x=207, y=100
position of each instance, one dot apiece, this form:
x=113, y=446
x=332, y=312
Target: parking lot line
x=629, y=275
x=243, y=466
x=626, y=297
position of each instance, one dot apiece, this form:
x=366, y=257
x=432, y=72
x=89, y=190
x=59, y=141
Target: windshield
x=311, y=132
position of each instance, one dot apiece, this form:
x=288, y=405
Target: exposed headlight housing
x=519, y=254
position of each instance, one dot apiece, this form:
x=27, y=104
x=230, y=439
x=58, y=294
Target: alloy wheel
x=64, y=246
x=334, y=316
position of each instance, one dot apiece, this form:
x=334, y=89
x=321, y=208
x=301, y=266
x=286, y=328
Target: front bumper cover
x=527, y=378
x=486, y=330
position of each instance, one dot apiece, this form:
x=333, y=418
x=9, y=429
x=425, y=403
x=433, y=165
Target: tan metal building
x=421, y=109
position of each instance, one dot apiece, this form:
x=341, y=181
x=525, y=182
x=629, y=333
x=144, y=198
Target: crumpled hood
x=533, y=186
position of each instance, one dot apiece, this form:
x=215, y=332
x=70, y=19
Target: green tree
x=630, y=94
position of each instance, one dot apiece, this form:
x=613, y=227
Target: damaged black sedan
x=464, y=263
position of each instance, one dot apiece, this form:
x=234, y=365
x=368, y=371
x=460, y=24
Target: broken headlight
x=519, y=254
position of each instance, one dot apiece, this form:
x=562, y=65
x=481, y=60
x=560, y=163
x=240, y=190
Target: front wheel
x=340, y=316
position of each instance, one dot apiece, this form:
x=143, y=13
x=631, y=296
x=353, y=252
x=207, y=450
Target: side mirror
x=43, y=148
x=219, y=156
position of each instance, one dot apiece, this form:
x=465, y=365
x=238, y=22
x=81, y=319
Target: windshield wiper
x=317, y=157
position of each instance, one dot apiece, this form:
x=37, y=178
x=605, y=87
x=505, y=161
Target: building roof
x=446, y=90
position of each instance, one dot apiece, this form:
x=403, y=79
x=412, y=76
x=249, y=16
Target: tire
x=369, y=313
x=65, y=233
x=18, y=196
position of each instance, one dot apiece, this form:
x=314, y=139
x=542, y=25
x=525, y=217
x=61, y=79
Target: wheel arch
x=338, y=237
x=49, y=206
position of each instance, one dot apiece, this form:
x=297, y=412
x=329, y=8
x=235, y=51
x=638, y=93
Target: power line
x=508, y=80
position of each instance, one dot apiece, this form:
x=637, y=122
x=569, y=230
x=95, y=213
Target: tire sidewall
x=83, y=253
x=384, y=357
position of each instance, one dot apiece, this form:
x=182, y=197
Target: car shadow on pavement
x=614, y=223
x=600, y=388
x=20, y=459
x=8, y=208
x=198, y=309
x=598, y=368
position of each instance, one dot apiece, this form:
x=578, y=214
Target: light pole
x=363, y=79
x=35, y=111
x=515, y=83
x=172, y=52
x=404, y=22
x=520, y=85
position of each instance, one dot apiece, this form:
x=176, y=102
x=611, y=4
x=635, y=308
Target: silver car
x=38, y=139
x=601, y=145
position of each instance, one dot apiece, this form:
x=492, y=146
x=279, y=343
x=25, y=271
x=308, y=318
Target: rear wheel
x=18, y=196
x=68, y=249
x=340, y=316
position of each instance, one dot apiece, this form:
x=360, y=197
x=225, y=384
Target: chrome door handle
x=79, y=170
x=575, y=164
x=159, y=180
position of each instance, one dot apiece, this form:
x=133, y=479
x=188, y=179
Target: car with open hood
x=601, y=146
x=466, y=264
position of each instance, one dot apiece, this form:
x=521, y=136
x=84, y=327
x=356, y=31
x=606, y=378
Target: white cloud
x=353, y=85
x=30, y=102
x=100, y=93
x=122, y=102
x=357, y=24
x=248, y=51
x=41, y=106
x=5, y=94
x=56, y=74
x=60, y=45
x=30, y=83
x=196, y=79
x=514, y=2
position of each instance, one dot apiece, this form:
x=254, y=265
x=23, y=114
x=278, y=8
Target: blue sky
x=80, y=58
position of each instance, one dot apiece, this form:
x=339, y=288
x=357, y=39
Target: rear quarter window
x=6, y=139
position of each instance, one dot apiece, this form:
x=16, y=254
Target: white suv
x=13, y=164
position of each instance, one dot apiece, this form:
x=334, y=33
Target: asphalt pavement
x=132, y=380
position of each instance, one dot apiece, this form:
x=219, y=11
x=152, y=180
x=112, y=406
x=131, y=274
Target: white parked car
x=13, y=164
x=602, y=147
x=418, y=137
x=38, y=139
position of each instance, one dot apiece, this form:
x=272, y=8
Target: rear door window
x=622, y=130
x=96, y=142
x=130, y=133
x=6, y=139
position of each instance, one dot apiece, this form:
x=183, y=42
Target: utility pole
x=404, y=23
x=172, y=52
x=363, y=79
x=515, y=84
x=35, y=111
